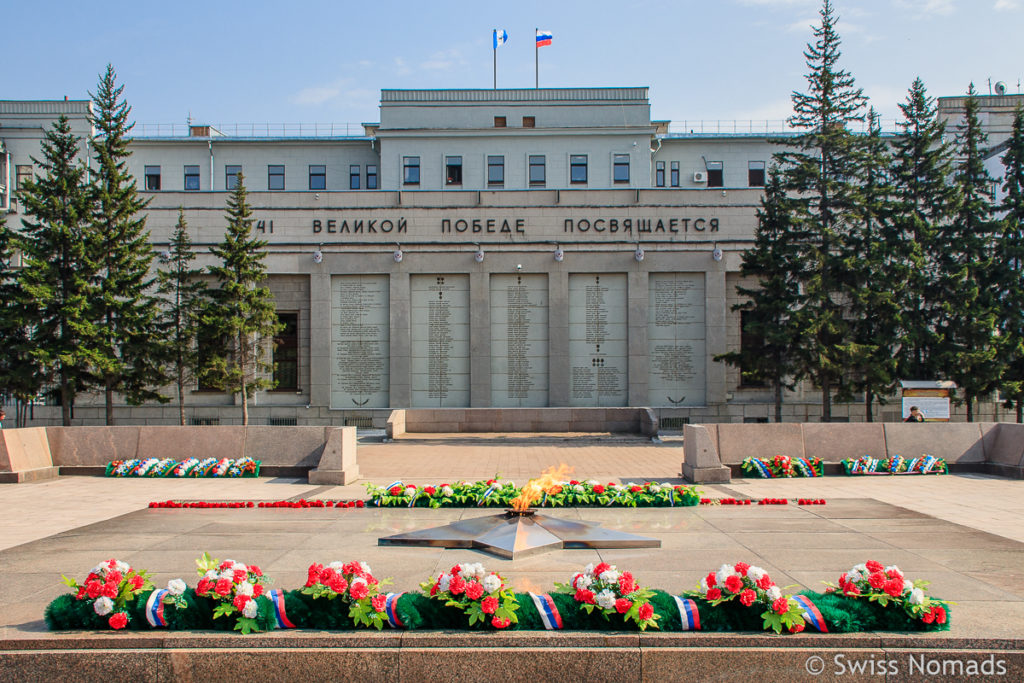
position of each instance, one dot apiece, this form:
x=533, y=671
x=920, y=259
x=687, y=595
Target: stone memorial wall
x=519, y=340
x=360, y=341
x=440, y=341
x=598, y=341
x=675, y=339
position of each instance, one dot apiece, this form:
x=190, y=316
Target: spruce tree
x=819, y=175
x=769, y=306
x=875, y=274
x=127, y=312
x=967, y=282
x=925, y=199
x=20, y=375
x=1011, y=263
x=242, y=311
x=184, y=294
x=55, y=284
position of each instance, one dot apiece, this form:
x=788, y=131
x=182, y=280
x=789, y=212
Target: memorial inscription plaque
x=440, y=341
x=360, y=341
x=675, y=337
x=598, y=340
x=519, y=340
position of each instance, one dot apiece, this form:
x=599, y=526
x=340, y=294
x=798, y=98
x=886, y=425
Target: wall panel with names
x=598, y=341
x=519, y=340
x=360, y=341
x=676, y=339
x=440, y=341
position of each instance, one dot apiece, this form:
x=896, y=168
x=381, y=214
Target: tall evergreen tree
x=20, y=375
x=55, y=284
x=875, y=274
x=967, y=284
x=184, y=294
x=819, y=174
x=769, y=306
x=925, y=199
x=1010, y=260
x=242, y=310
x=127, y=312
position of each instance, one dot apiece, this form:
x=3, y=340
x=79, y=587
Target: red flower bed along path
x=340, y=504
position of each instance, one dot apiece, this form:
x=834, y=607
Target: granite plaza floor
x=964, y=533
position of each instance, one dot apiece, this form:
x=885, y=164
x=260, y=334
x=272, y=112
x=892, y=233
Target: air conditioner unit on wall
x=700, y=177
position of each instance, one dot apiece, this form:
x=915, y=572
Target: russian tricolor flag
x=543, y=38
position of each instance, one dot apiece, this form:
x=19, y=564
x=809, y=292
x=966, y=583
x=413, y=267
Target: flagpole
x=536, y=61
x=495, y=62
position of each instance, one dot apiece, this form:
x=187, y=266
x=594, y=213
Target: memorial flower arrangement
x=190, y=467
x=493, y=492
x=353, y=584
x=613, y=593
x=234, y=587
x=888, y=586
x=782, y=466
x=897, y=464
x=484, y=597
x=109, y=588
x=753, y=588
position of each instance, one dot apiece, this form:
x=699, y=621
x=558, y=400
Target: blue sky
x=322, y=62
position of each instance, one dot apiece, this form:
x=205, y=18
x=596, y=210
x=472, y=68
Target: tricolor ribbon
x=689, y=617
x=928, y=463
x=912, y=465
x=387, y=490
x=614, y=498
x=391, y=610
x=807, y=467
x=894, y=463
x=811, y=613
x=487, y=493
x=155, y=608
x=277, y=599
x=762, y=468
x=547, y=610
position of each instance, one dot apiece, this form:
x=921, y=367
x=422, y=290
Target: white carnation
x=585, y=581
x=443, y=581
x=666, y=485
x=773, y=593
x=447, y=491
x=212, y=574
x=356, y=580
x=907, y=586
x=410, y=491
x=244, y=588
x=251, y=609
x=123, y=567
x=227, y=574
x=578, y=488
x=724, y=572
x=854, y=575
x=916, y=596
x=175, y=586
x=103, y=606
x=605, y=599
x=366, y=568
x=755, y=574
x=491, y=583
x=589, y=569
x=655, y=488
x=704, y=584
x=860, y=569
x=609, y=576
x=336, y=566
x=99, y=569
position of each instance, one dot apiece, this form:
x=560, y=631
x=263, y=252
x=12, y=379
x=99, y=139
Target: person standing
x=915, y=415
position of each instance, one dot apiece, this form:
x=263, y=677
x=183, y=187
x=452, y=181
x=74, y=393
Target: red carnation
x=137, y=582
x=928, y=617
x=110, y=590
x=204, y=586
x=395, y=490
x=894, y=587
x=474, y=590
x=81, y=593
x=489, y=604
x=646, y=611
x=711, y=580
x=222, y=587
x=877, y=580
x=598, y=488
x=434, y=589
x=714, y=594
x=255, y=570
x=894, y=573
x=239, y=575
x=747, y=597
x=734, y=584
x=851, y=589
x=429, y=490
x=573, y=482
x=601, y=568
x=796, y=628
x=457, y=585
x=781, y=606
x=338, y=584
x=622, y=605
x=741, y=568
x=626, y=583
x=118, y=620
x=226, y=564
x=765, y=582
x=940, y=614
x=113, y=576
x=359, y=590
x=257, y=590
x=498, y=622
x=94, y=589
x=492, y=481
x=360, y=504
x=585, y=595
x=873, y=566
x=636, y=489
x=842, y=580
x=239, y=602
x=379, y=602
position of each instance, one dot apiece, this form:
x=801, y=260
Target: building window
x=674, y=174
x=755, y=173
x=411, y=170
x=749, y=341
x=659, y=174
x=620, y=168
x=538, y=173
x=231, y=174
x=275, y=177
x=371, y=177
x=499, y=122
x=152, y=178
x=353, y=177
x=23, y=174
x=495, y=170
x=529, y=122
x=286, y=353
x=191, y=178
x=714, y=174
x=578, y=168
x=318, y=177
x=453, y=170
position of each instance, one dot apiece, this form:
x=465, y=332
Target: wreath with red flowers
x=353, y=584
x=483, y=597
